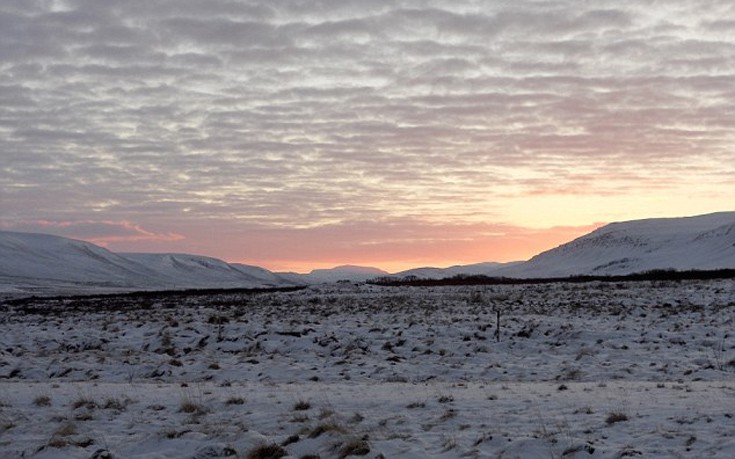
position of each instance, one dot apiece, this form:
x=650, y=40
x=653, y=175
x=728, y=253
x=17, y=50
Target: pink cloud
x=101, y=232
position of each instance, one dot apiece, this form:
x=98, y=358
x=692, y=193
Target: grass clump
x=324, y=428
x=445, y=399
x=354, y=447
x=6, y=423
x=42, y=400
x=117, y=404
x=271, y=451
x=616, y=416
x=235, y=401
x=84, y=402
x=60, y=437
x=302, y=405
x=191, y=407
x=192, y=404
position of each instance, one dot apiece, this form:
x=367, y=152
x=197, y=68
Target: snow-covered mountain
x=195, y=271
x=340, y=273
x=36, y=261
x=700, y=242
x=42, y=263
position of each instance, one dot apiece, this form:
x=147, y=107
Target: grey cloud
x=721, y=25
x=119, y=53
x=312, y=111
x=341, y=29
x=224, y=32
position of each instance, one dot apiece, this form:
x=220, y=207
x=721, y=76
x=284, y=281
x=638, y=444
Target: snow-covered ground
x=599, y=370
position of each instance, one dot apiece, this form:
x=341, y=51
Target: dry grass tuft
x=42, y=400
x=235, y=401
x=84, y=402
x=445, y=399
x=326, y=427
x=66, y=429
x=191, y=407
x=616, y=416
x=354, y=447
x=302, y=405
x=272, y=451
x=117, y=404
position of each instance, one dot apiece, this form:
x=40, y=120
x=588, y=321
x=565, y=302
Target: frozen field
x=594, y=370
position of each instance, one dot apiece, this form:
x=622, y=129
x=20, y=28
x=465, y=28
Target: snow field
x=581, y=370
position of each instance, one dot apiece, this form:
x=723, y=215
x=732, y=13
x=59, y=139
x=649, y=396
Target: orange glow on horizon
x=392, y=246
x=395, y=258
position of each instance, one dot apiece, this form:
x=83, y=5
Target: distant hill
x=42, y=263
x=197, y=271
x=37, y=262
x=340, y=273
x=689, y=243
x=483, y=269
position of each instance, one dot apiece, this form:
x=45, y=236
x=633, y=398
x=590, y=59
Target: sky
x=295, y=134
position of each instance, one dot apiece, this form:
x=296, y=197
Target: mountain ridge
x=40, y=263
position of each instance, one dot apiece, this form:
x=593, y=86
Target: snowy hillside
x=41, y=263
x=195, y=271
x=30, y=261
x=701, y=242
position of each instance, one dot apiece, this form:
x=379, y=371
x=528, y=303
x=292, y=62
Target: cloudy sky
x=296, y=134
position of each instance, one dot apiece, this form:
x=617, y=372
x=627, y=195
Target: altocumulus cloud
x=285, y=114
x=98, y=231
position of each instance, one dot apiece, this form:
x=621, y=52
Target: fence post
x=497, y=321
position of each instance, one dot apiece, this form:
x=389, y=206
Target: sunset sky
x=305, y=134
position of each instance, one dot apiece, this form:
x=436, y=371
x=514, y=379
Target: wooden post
x=497, y=331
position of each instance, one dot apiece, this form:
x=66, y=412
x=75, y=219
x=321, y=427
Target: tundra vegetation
x=579, y=369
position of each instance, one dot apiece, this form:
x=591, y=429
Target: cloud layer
x=296, y=115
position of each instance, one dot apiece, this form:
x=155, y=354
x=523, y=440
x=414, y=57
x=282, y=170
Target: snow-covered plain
x=598, y=370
